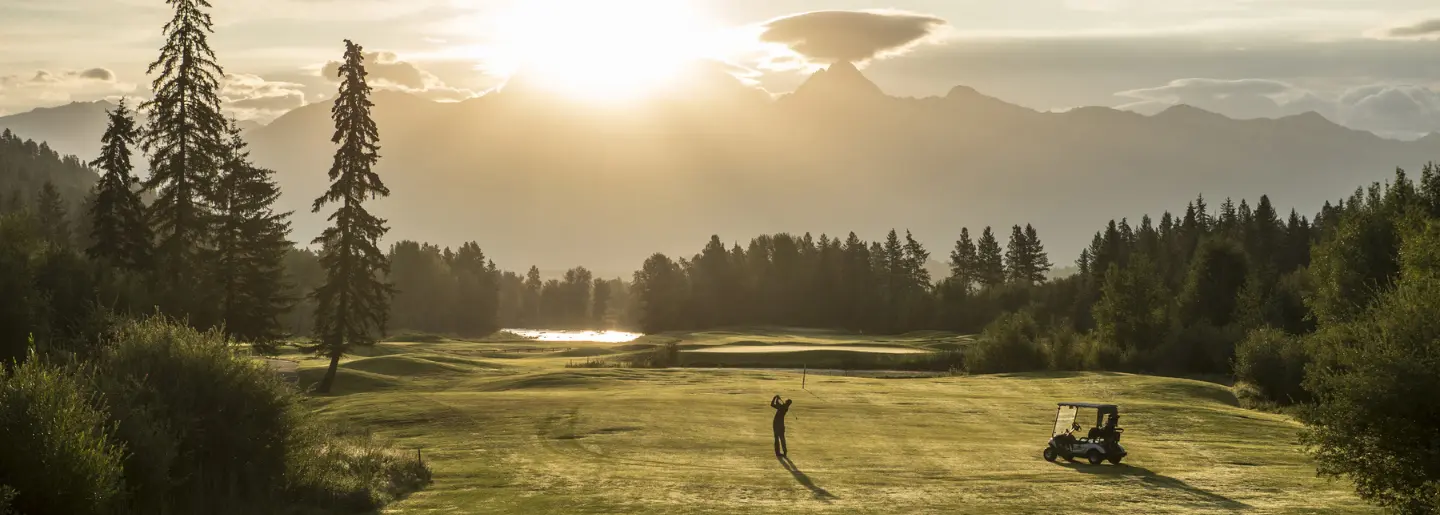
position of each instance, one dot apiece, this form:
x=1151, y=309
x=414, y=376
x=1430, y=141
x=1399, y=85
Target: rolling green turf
x=508, y=429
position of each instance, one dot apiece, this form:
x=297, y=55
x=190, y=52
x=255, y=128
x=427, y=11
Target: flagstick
x=803, y=372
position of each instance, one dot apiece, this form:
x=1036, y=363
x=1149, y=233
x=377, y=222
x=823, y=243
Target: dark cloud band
x=849, y=35
x=1424, y=28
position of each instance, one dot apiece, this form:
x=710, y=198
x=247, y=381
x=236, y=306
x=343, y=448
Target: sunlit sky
x=1364, y=61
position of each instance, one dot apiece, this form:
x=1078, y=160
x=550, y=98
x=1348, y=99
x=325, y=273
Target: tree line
x=880, y=286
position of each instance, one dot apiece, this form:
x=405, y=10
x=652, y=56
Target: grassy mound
x=585, y=352
x=348, y=381
x=403, y=366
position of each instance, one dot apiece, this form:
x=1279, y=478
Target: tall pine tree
x=991, y=264
x=352, y=305
x=185, y=140
x=1039, y=260
x=250, y=245
x=1017, y=257
x=964, y=262
x=119, y=233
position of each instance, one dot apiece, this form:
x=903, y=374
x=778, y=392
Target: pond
x=565, y=335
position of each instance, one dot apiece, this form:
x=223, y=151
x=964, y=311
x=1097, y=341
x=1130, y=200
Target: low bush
x=350, y=474
x=1274, y=363
x=1201, y=348
x=661, y=356
x=7, y=498
x=1009, y=344
x=1065, y=348
x=56, y=455
x=1099, y=354
x=210, y=430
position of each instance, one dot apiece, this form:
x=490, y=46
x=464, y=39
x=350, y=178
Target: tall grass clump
x=56, y=455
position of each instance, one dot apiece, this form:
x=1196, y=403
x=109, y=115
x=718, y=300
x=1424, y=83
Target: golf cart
x=1099, y=444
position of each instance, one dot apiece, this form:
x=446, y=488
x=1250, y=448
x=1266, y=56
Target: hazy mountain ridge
x=542, y=181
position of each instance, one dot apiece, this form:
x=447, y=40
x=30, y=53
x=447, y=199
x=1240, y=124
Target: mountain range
x=540, y=180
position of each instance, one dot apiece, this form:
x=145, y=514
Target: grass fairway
x=508, y=429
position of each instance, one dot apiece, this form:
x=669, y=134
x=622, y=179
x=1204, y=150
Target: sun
x=602, y=50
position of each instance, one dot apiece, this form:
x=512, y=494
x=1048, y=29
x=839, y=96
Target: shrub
x=1100, y=354
x=208, y=431
x=55, y=453
x=7, y=497
x=1065, y=348
x=212, y=431
x=351, y=474
x=662, y=356
x=1274, y=362
x=1374, y=384
x=1201, y=348
x=1009, y=345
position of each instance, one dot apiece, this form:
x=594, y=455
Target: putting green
x=527, y=435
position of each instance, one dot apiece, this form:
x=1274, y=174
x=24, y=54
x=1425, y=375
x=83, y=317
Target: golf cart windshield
x=1064, y=418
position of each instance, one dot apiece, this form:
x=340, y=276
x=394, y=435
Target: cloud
x=1399, y=108
x=1392, y=110
x=48, y=88
x=387, y=71
x=850, y=35
x=98, y=74
x=1421, y=29
x=251, y=97
x=1242, y=98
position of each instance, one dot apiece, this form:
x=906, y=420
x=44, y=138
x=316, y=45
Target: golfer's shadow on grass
x=804, y=480
x=1150, y=479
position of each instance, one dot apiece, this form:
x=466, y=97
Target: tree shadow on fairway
x=1150, y=479
x=804, y=480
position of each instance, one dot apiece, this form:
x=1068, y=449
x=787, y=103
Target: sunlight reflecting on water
x=547, y=335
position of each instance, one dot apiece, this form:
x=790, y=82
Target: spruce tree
x=352, y=305
x=915, y=258
x=1017, y=257
x=964, y=262
x=896, y=269
x=118, y=231
x=250, y=244
x=185, y=141
x=991, y=262
x=51, y=214
x=1039, y=260
x=857, y=282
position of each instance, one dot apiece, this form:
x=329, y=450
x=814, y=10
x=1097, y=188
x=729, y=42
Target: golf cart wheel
x=1094, y=457
x=1050, y=454
x=1115, y=460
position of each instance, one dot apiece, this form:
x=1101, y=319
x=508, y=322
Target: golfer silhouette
x=781, y=408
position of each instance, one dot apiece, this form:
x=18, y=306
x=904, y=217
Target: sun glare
x=607, y=51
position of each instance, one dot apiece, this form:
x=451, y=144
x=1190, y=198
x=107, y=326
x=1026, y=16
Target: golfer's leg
x=777, y=444
x=784, y=449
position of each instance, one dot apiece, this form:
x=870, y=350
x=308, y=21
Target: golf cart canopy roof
x=1091, y=405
